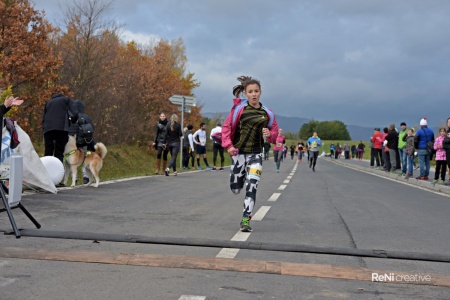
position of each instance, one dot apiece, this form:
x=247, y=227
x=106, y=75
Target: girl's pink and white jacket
x=230, y=124
x=440, y=152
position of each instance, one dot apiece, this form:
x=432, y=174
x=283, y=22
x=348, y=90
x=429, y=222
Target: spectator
x=242, y=135
x=392, y=144
x=361, y=147
x=188, y=147
x=158, y=143
x=441, y=160
x=446, y=145
x=332, y=149
x=7, y=104
x=401, y=147
x=216, y=137
x=409, y=150
x=354, y=151
x=55, y=124
x=376, y=139
x=423, y=136
x=346, y=151
x=200, y=140
x=385, y=151
x=77, y=108
x=172, y=143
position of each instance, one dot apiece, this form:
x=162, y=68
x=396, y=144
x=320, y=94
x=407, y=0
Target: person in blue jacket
x=313, y=143
x=422, y=137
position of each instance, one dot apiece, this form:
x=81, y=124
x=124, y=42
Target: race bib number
x=202, y=143
x=279, y=144
x=255, y=172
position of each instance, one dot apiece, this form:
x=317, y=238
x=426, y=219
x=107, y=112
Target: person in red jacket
x=377, y=140
x=243, y=135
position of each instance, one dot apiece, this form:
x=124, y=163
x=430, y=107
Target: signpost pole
x=182, y=128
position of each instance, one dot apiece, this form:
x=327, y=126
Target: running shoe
x=214, y=169
x=209, y=168
x=175, y=173
x=200, y=168
x=221, y=169
x=434, y=181
x=245, y=225
x=167, y=171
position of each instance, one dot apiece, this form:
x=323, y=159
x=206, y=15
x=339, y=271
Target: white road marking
x=4, y=263
x=286, y=181
x=228, y=253
x=289, y=177
x=398, y=181
x=241, y=236
x=191, y=297
x=274, y=197
x=282, y=187
x=260, y=213
x=6, y=281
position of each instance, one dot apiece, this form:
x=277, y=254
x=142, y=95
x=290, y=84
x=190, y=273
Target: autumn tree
x=124, y=85
x=27, y=63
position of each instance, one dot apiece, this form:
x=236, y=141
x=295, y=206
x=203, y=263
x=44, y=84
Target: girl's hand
x=231, y=151
x=266, y=132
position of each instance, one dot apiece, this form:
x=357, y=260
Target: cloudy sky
x=367, y=63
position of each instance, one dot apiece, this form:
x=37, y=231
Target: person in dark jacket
x=159, y=142
x=422, y=137
x=77, y=108
x=392, y=143
x=55, y=124
x=173, y=136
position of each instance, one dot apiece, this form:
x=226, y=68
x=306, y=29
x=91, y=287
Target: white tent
x=34, y=172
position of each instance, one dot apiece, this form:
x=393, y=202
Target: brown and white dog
x=74, y=157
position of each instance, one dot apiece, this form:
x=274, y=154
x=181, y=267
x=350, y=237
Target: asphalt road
x=317, y=235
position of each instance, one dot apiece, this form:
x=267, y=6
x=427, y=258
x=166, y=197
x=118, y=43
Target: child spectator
x=409, y=150
x=441, y=158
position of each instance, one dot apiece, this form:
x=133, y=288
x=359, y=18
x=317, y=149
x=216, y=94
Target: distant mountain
x=293, y=124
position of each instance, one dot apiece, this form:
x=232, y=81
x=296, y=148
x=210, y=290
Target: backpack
x=85, y=129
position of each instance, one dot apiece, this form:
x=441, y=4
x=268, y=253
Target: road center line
x=228, y=253
x=274, y=197
x=240, y=236
x=260, y=213
x=282, y=187
x=191, y=297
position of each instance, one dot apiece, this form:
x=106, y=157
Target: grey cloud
x=363, y=62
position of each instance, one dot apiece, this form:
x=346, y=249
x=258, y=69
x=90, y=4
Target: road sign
x=188, y=101
x=187, y=109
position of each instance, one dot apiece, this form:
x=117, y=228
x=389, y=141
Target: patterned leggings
x=246, y=168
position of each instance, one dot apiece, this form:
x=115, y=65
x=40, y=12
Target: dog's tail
x=100, y=148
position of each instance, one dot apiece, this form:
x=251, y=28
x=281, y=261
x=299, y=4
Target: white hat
x=423, y=122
